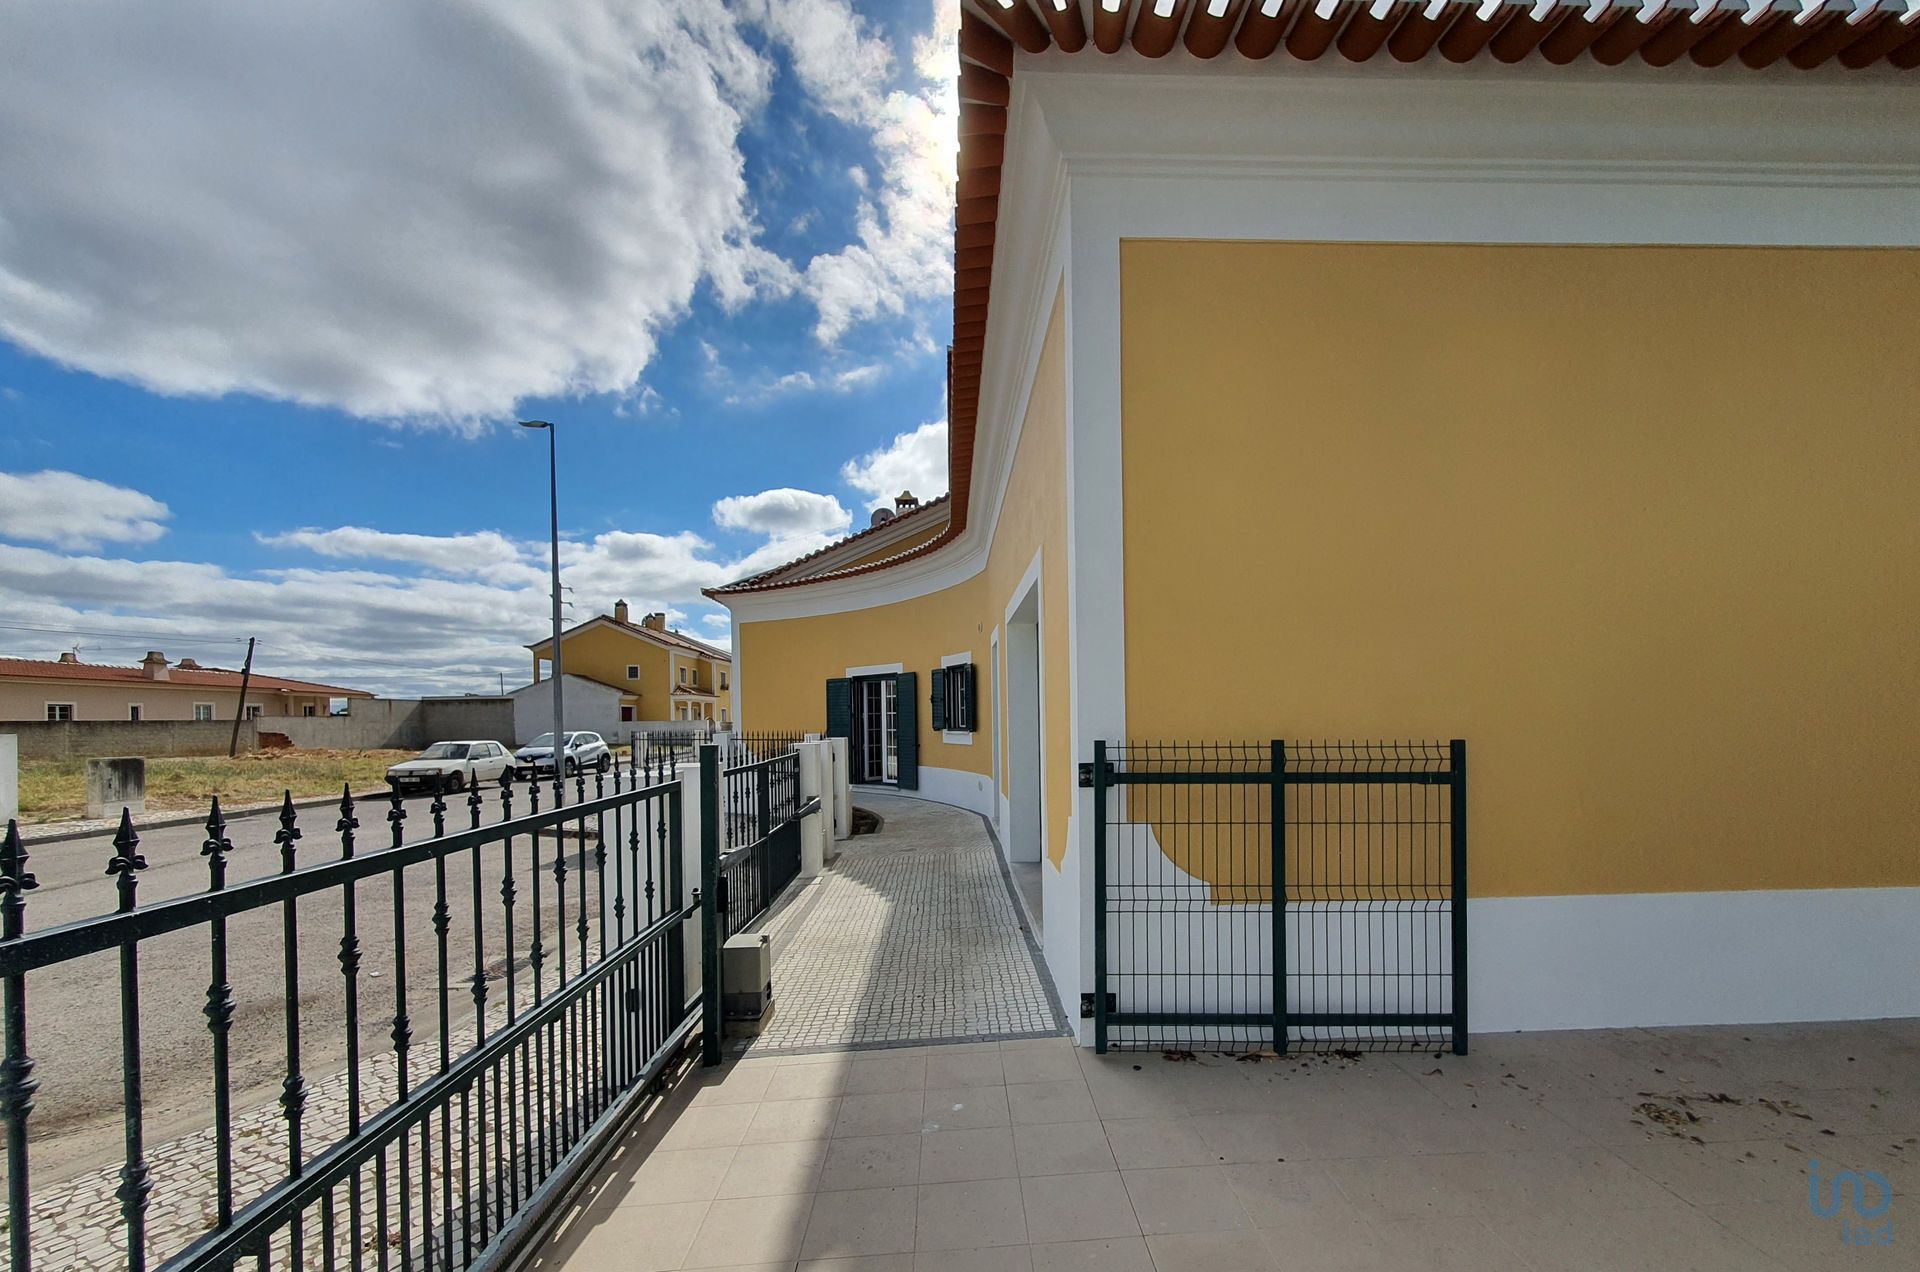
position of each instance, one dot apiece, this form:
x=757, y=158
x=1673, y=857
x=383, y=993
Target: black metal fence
x=1366, y=846
x=552, y=991
x=760, y=818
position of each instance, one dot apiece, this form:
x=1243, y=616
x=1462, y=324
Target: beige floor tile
x=1006, y=1258
x=1589, y=1179
x=767, y=1170
x=688, y=1174
x=1061, y=1044
x=973, y=1068
x=1037, y=1103
x=1628, y=1241
x=1721, y=1174
x=880, y=1113
x=718, y=1126
x=860, y=1221
x=1040, y=1064
x=902, y=1262
x=1143, y=1142
x=778, y=1121
x=1241, y=1251
x=1240, y=1138
x=950, y=1156
x=626, y=1238
x=1185, y=1199
x=871, y=1161
x=1078, y=1207
x=1107, y=1254
x=964, y=1108
x=1274, y=1194
x=1463, y=1243
x=1795, y=1238
x=875, y=1072
x=743, y=1082
x=963, y=1216
x=1065, y=1148
x=1384, y=1189
x=750, y=1230
x=807, y=1082
x=1119, y=1091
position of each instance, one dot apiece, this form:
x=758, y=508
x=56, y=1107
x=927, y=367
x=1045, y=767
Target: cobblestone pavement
x=910, y=936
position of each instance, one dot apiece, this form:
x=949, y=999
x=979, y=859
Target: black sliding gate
x=1366, y=844
x=760, y=826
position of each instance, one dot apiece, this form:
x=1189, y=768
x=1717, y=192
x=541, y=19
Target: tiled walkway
x=910, y=936
x=1647, y=1150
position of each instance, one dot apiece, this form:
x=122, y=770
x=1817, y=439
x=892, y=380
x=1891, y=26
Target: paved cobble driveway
x=910, y=936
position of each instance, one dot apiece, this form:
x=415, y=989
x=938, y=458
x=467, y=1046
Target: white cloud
x=915, y=461
x=782, y=512
x=71, y=511
x=431, y=212
x=486, y=554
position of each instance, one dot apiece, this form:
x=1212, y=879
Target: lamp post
x=553, y=504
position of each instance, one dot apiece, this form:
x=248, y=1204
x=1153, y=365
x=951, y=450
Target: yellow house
x=1535, y=377
x=662, y=674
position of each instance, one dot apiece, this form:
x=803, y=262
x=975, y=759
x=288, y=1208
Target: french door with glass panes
x=876, y=721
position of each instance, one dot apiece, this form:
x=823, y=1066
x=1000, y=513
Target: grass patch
x=51, y=790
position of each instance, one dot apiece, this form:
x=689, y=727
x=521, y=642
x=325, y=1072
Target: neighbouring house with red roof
x=656, y=673
x=68, y=689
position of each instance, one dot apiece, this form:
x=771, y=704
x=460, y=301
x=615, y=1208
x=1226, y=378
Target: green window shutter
x=972, y=700
x=839, y=708
x=939, y=697
x=907, y=709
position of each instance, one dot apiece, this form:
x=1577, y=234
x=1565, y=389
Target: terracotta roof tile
x=204, y=677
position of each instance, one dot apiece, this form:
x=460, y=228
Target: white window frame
x=633, y=671
x=960, y=737
x=254, y=711
x=203, y=719
x=68, y=718
x=136, y=712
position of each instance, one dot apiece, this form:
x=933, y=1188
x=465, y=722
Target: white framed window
x=253, y=711
x=134, y=711
x=683, y=675
x=308, y=711
x=59, y=711
x=953, y=703
x=203, y=711
x=723, y=680
x=633, y=671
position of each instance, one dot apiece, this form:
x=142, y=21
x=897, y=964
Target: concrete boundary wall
x=377, y=723
x=81, y=739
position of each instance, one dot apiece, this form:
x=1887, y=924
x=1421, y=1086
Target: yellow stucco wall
x=1641, y=524
x=786, y=663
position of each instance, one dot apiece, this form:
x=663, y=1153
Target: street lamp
x=553, y=504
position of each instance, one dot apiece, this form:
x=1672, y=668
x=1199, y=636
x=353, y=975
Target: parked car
x=450, y=766
x=584, y=751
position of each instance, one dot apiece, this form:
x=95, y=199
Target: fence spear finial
x=216, y=846
x=15, y=879
x=289, y=833
x=126, y=861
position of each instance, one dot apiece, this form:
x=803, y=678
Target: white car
x=584, y=751
x=450, y=766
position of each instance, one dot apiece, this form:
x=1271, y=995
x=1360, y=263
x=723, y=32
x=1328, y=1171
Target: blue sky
x=264, y=331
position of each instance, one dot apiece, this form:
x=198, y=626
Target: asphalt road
x=74, y=1007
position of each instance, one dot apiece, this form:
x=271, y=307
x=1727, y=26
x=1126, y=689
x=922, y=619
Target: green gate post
x=1099, y=898
x=1457, y=763
x=709, y=904
x=1277, y=884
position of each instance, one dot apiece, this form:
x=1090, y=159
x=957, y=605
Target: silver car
x=584, y=751
x=450, y=766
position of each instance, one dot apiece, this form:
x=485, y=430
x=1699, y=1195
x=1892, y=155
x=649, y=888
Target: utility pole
x=246, y=674
x=553, y=508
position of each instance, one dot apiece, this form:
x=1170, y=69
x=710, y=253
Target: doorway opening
x=874, y=741
x=1024, y=821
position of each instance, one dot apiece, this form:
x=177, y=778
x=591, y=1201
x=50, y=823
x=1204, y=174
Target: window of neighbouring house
x=723, y=680
x=203, y=711
x=953, y=703
x=683, y=675
x=133, y=712
x=626, y=715
x=59, y=711
x=253, y=711
x=633, y=671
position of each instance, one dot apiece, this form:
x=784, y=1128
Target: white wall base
x=971, y=791
x=1693, y=958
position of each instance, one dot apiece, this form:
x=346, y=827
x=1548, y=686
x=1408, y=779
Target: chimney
x=619, y=611
x=69, y=657
x=654, y=622
x=186, y=664
x=154, y=665
x=905, y=502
